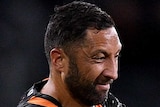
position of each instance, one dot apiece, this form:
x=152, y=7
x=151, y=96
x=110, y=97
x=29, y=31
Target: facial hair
x=81, y=88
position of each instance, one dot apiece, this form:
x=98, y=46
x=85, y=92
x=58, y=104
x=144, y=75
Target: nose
x=111, y=69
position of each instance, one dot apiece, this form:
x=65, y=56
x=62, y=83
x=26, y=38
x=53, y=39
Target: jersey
x=33, y=98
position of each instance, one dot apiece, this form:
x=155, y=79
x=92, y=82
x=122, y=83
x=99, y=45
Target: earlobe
x=56, y=58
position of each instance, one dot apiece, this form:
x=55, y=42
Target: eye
x=99, y=57
x=117, y=56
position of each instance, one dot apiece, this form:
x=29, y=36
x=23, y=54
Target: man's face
x=94, y=66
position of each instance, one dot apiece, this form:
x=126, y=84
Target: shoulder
x=29, y=105
x=33, y=98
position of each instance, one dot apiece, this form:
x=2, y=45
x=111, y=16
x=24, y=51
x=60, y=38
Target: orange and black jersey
x=33, y=98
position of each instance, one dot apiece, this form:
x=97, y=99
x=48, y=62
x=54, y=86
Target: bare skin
x=97, y=65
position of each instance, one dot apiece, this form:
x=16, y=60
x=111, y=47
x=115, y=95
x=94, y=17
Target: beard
x=82, y=88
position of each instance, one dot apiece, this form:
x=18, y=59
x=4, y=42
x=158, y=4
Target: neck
x=57, y=90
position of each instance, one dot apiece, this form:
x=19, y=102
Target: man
x=82, y=47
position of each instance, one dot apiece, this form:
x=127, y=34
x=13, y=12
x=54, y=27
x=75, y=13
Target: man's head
x=88, y=40
x=67, y=26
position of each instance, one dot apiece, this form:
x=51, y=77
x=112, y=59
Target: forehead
x=108, y=37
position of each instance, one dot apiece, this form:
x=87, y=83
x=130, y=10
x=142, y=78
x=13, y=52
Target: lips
x=104, y=85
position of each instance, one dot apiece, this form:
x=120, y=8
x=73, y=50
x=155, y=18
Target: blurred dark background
x=22, y=59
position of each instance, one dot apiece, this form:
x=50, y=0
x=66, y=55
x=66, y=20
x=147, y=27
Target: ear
x=56, y=56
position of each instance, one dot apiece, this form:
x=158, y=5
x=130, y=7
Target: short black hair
x=67, y=26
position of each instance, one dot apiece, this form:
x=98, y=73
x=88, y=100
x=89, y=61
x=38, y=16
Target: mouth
x=104, y=86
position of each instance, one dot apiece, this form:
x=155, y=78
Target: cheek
x=91, y=72
x=88, y=69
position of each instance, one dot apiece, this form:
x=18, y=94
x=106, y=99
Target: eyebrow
x=119, y=50
x=104, y=52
